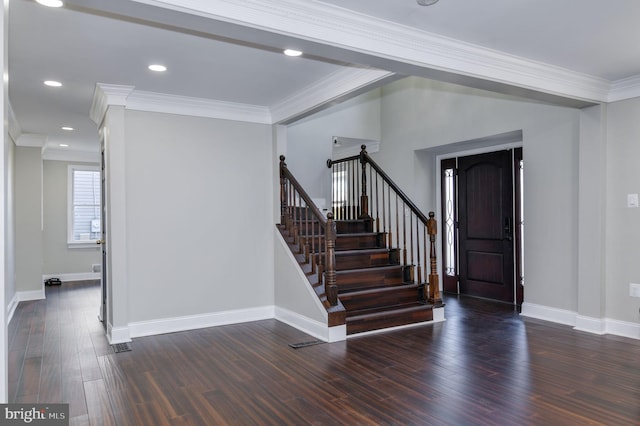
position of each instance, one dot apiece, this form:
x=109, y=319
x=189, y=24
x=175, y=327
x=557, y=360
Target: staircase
x=365, y=278
x=374, y=288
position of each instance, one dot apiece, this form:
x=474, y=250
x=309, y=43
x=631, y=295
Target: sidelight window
x=449, y=223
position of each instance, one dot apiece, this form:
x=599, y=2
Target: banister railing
x=310, y=230
x=362, y=190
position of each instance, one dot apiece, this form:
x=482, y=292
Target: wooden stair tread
x=386, y=310
x=361, y=251
x=390, y=316
x=368, y=269
x=377, y=290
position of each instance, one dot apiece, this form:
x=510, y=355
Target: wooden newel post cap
x=282, y=158
x=330, y=216
x=432, y=225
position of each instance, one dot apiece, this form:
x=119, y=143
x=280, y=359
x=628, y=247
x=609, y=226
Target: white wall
x=622, y=223
x=199, y=215
x=58, y=258
x=28, y=208
x=418, y=114
x=309, y=141
x=292, y=289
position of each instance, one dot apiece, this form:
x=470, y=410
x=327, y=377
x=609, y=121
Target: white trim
x=547, y=313
x=22, y=296
x=357, y=32
x=31, y=140
x=11, y=308
x=197, y=107
x=622, y=328
x=192, y=322
x=55, y=154
x=83, y=245
x=324, y=92
x=75, y=276
x=105, y=95
x=117, y=335
x=590, y=324
x=25, y=296
x=71, y=169
x=626, y=88
x=311, y=326
x=438, y=314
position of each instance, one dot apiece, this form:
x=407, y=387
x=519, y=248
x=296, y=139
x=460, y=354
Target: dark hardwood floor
x=483, y=366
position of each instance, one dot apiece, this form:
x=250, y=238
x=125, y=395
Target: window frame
x=71, y=243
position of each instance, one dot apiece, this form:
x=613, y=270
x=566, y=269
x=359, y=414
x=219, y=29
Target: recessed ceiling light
x=426, y=2
x=52, y=83
x=157, y=68
x=67, y=128
x=291, y=52
x=64, y=145
x=51, y=3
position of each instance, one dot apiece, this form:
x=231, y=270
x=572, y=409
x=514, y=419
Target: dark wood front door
x=485, y=215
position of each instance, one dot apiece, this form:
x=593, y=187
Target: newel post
x=434, y=280
x=330, y=287
x=283, y=192
x=364, y=198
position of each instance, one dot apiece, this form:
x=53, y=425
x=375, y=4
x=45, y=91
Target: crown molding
x=105, y=95
x=197, y=107
x=31, y=140
x=70, y=155
x=345, y=29
x=345, y=82
x=626, y=88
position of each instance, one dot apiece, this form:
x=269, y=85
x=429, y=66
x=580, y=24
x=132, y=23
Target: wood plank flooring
x=483, y=366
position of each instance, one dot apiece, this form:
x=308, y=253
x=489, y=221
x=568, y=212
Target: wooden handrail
x=415, y=233
x=292, y=218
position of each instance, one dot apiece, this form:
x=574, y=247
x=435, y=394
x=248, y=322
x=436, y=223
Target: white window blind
x=84, y=208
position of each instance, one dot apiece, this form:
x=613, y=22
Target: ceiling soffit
x=334, y=32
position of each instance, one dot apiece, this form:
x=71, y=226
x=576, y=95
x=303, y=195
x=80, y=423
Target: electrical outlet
x=634, y=290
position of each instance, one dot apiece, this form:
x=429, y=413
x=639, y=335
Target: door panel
x=485, y=202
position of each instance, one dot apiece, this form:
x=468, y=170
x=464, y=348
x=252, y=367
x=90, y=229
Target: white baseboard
x=193, y=322
x=310, y=326
x=582, y=323
x=117, y=334
x=590, y=325
x=11, y=308
x=623, y=328
x=23, y=296
x=75, y=276
x=438, y=314
x=548, y=313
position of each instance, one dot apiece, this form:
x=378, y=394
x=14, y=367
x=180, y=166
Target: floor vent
x=121, y=347
x=305, y=344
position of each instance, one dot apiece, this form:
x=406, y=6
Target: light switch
x=632, y=200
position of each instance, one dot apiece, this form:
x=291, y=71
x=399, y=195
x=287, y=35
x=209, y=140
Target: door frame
x=463, y=153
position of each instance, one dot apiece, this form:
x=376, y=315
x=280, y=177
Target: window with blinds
x=84, y=204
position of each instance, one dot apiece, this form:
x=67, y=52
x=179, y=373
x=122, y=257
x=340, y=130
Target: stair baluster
x=301, y=216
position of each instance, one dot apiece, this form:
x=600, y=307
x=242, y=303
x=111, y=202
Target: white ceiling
x=230, y=51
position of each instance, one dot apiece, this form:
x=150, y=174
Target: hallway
x=483, y=366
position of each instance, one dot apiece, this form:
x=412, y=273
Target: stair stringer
x=296, y=302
